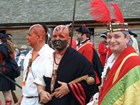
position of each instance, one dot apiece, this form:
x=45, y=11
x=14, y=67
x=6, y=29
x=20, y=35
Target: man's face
x=79, y=36
x=32, y=38
x=60, y=38
x=117, y=41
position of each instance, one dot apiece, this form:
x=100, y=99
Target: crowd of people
x=51, y=72
x=70, y=71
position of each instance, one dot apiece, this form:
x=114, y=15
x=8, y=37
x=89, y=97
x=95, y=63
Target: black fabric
x=12, y=68
x=83, y=30
x=47, y=82
x=132, y=33
x=2, y=35
x=5, y=84
x=72, y=66
x=97, y=65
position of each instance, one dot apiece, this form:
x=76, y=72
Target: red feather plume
x=117, y=12
x=99, y=11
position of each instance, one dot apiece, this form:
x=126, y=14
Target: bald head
x=60, y=37
x=61, y=29
x=38, y=29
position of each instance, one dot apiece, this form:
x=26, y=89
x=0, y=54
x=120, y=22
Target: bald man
x=67, y=65
x=34, y=61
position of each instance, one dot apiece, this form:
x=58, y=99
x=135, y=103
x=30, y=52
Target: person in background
x=6, y=54
x=72, y=43
x=22, y=54
x=103, y=49
x=32, y=63
x=133, y=40
x=86, y=48
x=122, y=78
x=58, y=86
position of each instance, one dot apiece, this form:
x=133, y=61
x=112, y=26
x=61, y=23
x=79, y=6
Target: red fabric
x=8, y=102
x=79, y=93
x=73, y=43
x=1, y=58
x=87, y=50
x=128, y=65
x=3, y=67
x=104, y=52
x=102, y=49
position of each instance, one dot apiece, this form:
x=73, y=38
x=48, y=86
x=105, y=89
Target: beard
x=79, y=39
x=59, y=44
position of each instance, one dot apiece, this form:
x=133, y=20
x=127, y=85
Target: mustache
x=57, y=42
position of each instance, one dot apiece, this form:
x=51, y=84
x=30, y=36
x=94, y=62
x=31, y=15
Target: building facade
x=18, y=15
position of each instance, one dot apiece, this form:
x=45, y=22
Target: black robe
x=72, y=66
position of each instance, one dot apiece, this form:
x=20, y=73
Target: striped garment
x=122, y=86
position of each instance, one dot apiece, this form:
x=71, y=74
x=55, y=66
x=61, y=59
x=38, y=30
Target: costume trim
x=79, y=93
x=88, y=42
x=119, y=68
x=122, y=87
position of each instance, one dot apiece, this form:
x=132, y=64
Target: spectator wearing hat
x=86, y=48
x=103, y=49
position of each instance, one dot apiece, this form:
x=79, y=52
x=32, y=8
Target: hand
x=45, y=97
x=62, y=90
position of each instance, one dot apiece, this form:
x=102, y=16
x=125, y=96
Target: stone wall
x=27, y=11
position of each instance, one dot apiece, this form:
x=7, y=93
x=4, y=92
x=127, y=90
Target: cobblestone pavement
x=18, y=90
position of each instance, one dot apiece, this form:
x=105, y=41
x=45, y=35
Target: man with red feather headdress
x=122, y=78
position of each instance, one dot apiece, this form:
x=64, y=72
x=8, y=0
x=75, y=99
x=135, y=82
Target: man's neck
x=38, y=47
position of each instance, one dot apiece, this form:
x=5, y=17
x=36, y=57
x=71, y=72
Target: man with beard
x=86, y=48
x=55, y=88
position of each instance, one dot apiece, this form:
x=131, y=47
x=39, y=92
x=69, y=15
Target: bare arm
x=44, y=96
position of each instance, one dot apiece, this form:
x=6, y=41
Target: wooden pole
x=74, y=8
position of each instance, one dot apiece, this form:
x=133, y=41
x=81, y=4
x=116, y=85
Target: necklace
x=57, y=58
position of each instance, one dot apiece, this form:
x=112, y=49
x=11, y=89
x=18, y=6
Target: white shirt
x=45, y=70
x=38, y=64
x=109, y=64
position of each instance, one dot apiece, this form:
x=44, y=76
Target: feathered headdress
x=101, y=13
